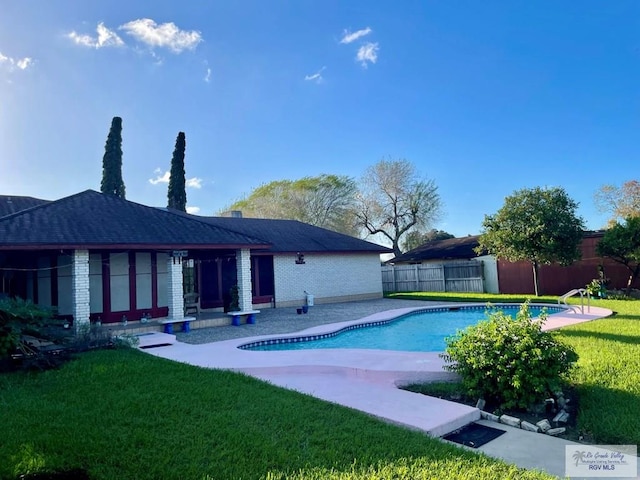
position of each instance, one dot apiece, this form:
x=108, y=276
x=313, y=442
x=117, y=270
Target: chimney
x=233, y=214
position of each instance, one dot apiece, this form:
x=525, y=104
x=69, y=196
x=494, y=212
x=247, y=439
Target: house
x=502, y=276
x=449, y=265
x=99, y=257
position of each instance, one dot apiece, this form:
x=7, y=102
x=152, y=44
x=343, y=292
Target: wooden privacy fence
x=431, y=277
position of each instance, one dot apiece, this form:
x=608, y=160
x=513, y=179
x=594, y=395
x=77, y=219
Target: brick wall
x=174, y=286
x=80, y=288
x=243, y=267
x=328, y=277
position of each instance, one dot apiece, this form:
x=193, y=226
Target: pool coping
x=366, y=380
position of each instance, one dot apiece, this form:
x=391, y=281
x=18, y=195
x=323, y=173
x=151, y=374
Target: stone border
x=543, y=426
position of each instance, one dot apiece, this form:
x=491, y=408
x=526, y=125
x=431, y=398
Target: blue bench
x=236, y=317
x=168, y=324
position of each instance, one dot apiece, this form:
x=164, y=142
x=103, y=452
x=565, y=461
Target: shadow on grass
x=608, y=415
x=125, y=414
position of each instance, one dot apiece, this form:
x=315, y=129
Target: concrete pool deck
x=368, y=380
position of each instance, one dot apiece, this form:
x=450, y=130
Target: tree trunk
x=535, y=277
x=396, y=248
x=632, y=277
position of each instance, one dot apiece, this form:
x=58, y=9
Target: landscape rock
x=489, y=416
x=544, y=425
x=511, y=421
x=555, y=431
x=529, y=426
x=561, y=401
x=561, y=417
x=481, y=403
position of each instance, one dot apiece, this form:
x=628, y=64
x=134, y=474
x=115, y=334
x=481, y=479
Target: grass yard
x=125, y=414
x=607, y=376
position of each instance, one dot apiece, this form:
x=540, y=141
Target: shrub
x=511, y=362
x=19, y=317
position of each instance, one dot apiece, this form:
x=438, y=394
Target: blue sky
x=485, y=98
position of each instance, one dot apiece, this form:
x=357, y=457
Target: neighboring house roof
x=92, y=220
x=11, y=204
x=289, y=236
x=449, y=249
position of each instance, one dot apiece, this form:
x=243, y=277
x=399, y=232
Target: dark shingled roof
x=449, y=249
x=11, y=204
x=92, y=220
x=290, y=236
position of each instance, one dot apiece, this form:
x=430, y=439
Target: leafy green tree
x=621, y=243
x=177, y=193
x=416, y=238
x=537, y=225
x=395, y=200
x=112, y=182
x=621, y=202
x=325, y=201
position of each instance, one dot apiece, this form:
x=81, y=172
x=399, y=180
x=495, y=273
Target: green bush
x=510, y=362
x=19, y=317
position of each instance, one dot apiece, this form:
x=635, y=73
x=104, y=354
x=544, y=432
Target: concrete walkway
x=366, y=380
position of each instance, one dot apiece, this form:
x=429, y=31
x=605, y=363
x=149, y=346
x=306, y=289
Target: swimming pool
x=421, y=331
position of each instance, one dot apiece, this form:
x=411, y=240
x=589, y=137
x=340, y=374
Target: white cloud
x=317, y=77
x=194, y=182
x=166, y=35
x=193, y=210
x=367, y=53
x=352, y=37
x=164, y=177
x=12, y=63
x=24, y=63
x=207, y=77
x=105, y=38
x=160, y=177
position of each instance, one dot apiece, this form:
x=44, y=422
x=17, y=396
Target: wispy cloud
x=165, y=35
x=104, y=38
x=367, y=53
x=207, y=76
x=194, y=182
x=164, y=177
x=348, y=37
x=11, y=64
x=316, y=77
x=193, y=210
x=160, y=177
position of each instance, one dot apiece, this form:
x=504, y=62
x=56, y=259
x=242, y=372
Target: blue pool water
x=424, y=331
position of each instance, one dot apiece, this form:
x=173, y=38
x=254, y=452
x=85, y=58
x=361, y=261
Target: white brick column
x=175, y=294
x=243, y=265
x=80, y=289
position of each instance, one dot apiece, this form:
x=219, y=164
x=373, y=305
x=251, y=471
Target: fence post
x=393, y=270
x=415, y=272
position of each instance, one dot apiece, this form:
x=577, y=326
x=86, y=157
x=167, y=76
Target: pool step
x=155, y=339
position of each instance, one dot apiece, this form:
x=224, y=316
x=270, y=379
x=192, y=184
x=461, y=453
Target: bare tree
x=621, y=202
x=394, y=199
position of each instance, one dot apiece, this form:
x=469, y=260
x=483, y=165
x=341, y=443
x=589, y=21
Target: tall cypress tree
x=112, y=182
x=177, y=193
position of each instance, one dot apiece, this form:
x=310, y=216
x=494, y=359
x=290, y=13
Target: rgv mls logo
x=619, y=461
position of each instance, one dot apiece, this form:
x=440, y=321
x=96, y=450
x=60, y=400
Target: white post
x=175, y=295
x=80, y=289
x=243, y=266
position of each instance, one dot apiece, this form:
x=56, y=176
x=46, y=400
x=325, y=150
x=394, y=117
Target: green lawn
x=607, y=376
x=125, y=414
